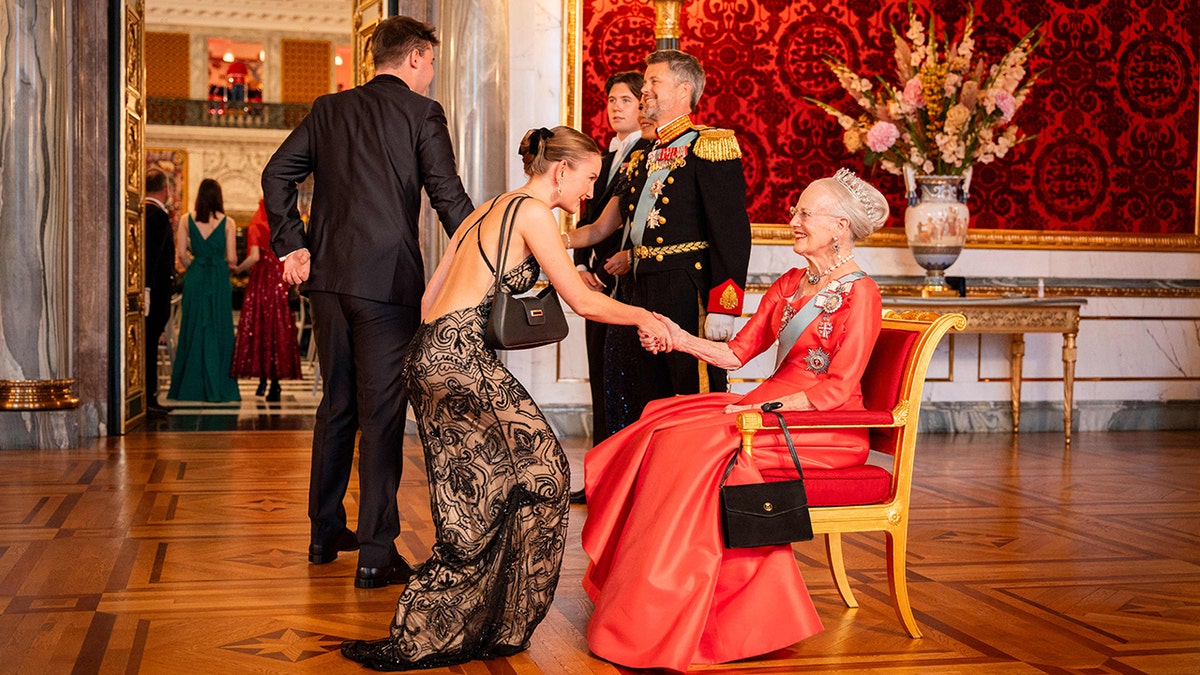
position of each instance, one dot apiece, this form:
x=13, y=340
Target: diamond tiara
x=858, y=188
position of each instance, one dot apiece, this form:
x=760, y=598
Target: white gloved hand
x=718, y=327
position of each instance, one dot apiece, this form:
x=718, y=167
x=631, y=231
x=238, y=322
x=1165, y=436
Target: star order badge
x=652, y=219
x=817, y=361
x=656, y=188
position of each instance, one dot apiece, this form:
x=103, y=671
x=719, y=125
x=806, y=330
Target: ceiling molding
x=292, y=16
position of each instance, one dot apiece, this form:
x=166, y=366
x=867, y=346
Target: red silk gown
x=266, y=336
x=667, y=592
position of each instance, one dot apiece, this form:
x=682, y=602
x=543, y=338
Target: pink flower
x=1006, y=103
x=882, y=136
x=913, y=97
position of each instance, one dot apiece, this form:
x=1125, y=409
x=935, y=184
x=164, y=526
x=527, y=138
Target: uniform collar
x=674, y=129
x=157, y=203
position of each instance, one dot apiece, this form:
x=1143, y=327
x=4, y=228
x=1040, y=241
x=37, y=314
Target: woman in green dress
x=205, y=349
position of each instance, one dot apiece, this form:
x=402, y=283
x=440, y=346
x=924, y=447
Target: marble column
x=472, y=86
x=35, y=363
x=474, y=89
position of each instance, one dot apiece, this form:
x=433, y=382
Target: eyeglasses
x=806, y=215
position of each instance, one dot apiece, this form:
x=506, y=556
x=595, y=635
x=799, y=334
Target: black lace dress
x=498, y=483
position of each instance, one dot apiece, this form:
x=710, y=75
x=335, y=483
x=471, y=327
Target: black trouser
x=594, y=333
x=361, y=346
x=680, y=296
x=156, y=322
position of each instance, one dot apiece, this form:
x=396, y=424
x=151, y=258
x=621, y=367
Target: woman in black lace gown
x=498, y=478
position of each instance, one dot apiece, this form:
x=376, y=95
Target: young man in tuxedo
x=370, y=151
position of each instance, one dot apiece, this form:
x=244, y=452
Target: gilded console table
x=1014, y=316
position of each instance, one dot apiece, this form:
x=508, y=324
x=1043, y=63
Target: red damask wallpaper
x=1115, y=111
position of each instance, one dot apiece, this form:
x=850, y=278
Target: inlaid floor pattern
x=175, y=552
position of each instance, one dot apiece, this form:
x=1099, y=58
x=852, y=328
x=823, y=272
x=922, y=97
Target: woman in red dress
x=266, y=345
x=667, y=592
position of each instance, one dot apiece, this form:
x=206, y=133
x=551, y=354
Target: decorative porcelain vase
x=936, y=224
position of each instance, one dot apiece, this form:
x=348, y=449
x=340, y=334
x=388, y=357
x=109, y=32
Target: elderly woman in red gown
x=667, y=592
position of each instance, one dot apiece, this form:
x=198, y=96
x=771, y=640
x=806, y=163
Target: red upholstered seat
x=840, y=487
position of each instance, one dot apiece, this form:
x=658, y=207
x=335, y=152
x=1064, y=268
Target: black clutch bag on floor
x=765, y=514
x=521, y=322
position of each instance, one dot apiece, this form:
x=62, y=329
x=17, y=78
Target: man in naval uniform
x=687, y=232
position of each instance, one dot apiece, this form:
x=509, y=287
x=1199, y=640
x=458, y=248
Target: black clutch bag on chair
x=521, y=322
x=765, y=514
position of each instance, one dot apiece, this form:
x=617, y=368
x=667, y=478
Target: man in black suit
x=160, y=279
x=370, y=150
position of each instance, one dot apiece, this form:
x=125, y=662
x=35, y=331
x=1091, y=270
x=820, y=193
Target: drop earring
x=837, y=247
x=560, y=184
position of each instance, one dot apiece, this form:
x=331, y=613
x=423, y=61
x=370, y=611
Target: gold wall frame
x=781, y=234
x=367, y=15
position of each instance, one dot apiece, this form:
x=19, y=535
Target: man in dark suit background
x=370, y=150
x=160, y=279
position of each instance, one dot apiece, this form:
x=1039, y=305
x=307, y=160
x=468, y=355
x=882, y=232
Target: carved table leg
x=1069, y=353
x=1017, y=352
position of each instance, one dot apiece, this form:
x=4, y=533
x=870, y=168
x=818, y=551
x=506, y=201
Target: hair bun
x=536, y=138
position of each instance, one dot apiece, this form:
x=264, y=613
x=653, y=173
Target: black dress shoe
x=319, y=554
x=156, y=409
x=577, y=497
x=398, y=573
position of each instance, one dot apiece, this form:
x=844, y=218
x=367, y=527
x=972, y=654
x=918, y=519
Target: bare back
x=466, y=278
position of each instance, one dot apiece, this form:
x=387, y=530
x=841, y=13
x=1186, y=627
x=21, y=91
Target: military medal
x=666, y=158
x=656, y=188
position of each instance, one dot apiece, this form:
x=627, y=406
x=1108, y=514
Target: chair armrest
x=748, y=423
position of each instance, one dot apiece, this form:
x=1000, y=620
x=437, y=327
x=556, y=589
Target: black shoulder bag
x=765, y=514
x=526, y=321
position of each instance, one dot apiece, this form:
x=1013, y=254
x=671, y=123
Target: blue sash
x=810, y=311
x=637, y=226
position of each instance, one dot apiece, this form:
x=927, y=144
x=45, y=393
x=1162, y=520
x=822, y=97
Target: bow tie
x=615, y=144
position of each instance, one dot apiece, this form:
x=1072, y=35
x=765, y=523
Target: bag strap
x=502, y=244
x=787, y=436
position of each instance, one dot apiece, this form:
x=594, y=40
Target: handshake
x=665, y=335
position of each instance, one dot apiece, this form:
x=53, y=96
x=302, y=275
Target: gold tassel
x=717, y=145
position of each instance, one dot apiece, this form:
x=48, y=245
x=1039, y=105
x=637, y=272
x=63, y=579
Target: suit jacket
x=160, y=253
x=593, y=257
x=370, y=150
x=702, y=199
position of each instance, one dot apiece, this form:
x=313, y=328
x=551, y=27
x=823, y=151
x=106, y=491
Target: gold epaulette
x=717, y=145
x=631, y=164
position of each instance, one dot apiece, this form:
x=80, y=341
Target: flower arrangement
x=948, y=111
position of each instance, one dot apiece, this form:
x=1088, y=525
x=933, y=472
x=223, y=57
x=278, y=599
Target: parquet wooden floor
x=186, y=553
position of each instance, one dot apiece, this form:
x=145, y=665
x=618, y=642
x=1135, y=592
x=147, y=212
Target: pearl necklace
x=813, y=278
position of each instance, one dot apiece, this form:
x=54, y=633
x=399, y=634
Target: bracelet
x=567, y=239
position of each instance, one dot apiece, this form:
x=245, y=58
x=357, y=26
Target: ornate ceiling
x=293, y=16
